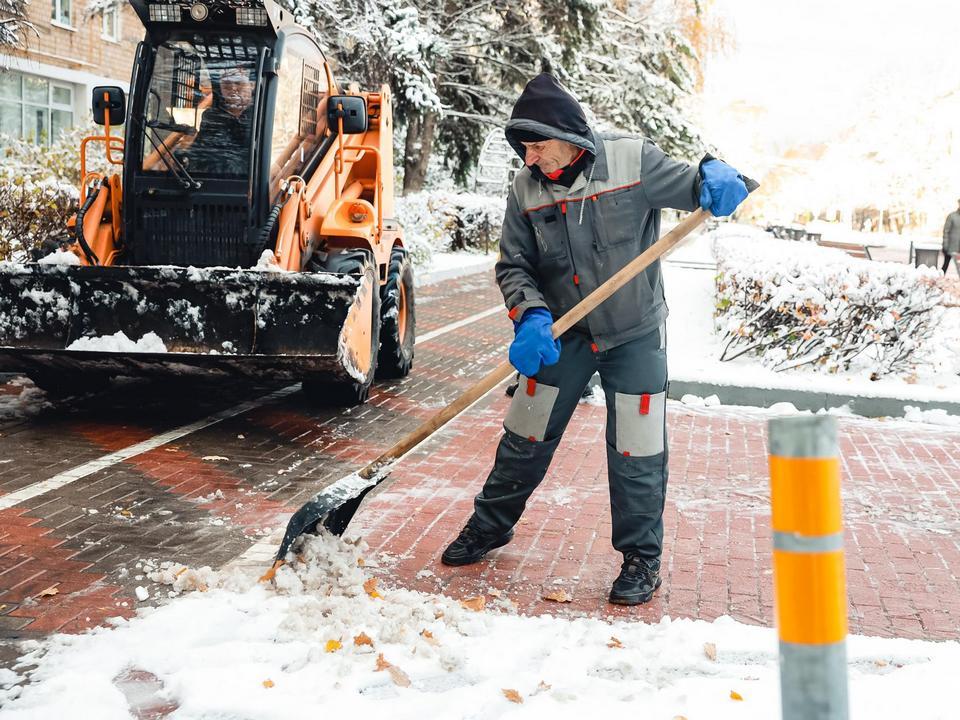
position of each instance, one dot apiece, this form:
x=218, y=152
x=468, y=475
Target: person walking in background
x=951, y=237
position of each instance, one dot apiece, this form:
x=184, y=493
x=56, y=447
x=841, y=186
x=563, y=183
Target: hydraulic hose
x=81, y=240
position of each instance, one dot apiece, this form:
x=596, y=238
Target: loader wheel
x=319, y=388
x=397, y=318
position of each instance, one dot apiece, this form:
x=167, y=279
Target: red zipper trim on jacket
x=645, y=404
x=581, y=198
x=531, y=387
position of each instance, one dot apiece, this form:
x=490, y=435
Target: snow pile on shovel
x=328, y=641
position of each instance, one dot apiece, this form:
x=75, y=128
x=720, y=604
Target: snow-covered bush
x=38, y=192
x=794, y=304
x=444, y=221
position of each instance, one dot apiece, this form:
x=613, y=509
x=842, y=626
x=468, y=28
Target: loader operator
x=222, y=144
x=582, y=208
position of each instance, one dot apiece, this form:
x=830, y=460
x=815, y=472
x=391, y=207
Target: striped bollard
x=808, y=567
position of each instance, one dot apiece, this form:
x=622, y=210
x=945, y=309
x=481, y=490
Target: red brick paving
x=900, y=502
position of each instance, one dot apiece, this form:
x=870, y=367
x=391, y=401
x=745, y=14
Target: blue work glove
x=722, y=188
x=533, y=342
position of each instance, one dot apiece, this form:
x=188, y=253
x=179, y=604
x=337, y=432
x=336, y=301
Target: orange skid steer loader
x=251, y=230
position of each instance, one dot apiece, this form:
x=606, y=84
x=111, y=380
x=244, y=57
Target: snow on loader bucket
x=232, y=322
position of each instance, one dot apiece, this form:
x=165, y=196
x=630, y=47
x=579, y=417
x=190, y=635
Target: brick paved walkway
x=179, y=502
x=901, y=500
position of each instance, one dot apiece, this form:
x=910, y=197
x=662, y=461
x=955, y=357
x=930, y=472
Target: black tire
x=397, y=334
x=319, y=388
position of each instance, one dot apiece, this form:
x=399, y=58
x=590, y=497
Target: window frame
x=57, y=14
x=28, y=107
x=115, y=12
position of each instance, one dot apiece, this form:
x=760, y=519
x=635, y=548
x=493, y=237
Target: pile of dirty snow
x=328, y=639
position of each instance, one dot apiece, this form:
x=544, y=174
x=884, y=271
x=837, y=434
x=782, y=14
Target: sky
x=814, y=66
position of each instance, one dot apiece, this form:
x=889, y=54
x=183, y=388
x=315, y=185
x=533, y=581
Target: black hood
x=545, y=109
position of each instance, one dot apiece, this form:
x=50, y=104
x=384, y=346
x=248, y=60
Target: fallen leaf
x=332, y=646
x=363, y=639
x=214, y=458
x=710, y=650
x=431, y=640
x=544, y=686
x=360, y=562
x=268, y=683
x=513, y=696
x=398, y=676
x=559, y=596
x=126, y=513
x=382, y=663
x=437, y=614
x=880, y=663
x=614, y=643
x=370, y=586
x=475, y=603
x=734, y=695
x=52, y=590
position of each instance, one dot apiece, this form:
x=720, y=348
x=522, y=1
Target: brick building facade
x=45, y=86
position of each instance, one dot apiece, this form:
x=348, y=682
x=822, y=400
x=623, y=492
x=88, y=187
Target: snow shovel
x=336, y=504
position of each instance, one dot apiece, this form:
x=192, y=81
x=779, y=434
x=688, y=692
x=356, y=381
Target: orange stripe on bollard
x=805, y=495
x=811, y=596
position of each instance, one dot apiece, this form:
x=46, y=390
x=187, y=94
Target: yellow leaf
x=370, y=587
x=268, y=683
x=710, y=650
x=52, y=590
x=360, y=562
x=614, y=643
x=513, y=696
x=332, y=646
x=475, y=603
x=734, y=695
x=559, y=596
x=428, y=636
x=363, y=639
x=382, y=663
x=398, y=676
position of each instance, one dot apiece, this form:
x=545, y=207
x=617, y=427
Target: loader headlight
x=199, y=12
x=251, y=16
x=164, y=12
x=358, y=212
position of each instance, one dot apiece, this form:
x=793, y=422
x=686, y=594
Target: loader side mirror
x=109, y=99
x=353, y=110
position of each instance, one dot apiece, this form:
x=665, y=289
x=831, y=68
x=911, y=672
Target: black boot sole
x=636, y=599
x=477, y=557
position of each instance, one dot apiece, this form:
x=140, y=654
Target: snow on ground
x=327, y=639
x=26, y=402
x=694, y=348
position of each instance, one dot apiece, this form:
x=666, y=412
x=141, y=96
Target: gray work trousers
x=634, y=379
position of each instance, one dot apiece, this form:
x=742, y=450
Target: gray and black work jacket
x=559, y=244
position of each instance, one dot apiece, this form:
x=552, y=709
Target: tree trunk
x=417, y=149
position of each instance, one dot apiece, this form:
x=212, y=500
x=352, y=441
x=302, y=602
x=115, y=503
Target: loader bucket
x=267, y=325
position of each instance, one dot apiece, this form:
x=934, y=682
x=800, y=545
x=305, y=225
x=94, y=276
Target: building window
x=34, y=108
x=60, y=12
x=111, y=23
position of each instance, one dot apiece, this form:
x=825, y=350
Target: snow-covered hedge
x=794, y=304
x=38, y=192
x=444, y=221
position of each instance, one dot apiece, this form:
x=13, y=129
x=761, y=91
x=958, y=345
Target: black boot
x=512, y=387
x=472, y=544
x=639, y=577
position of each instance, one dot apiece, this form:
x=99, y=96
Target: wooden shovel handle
x=504, y=370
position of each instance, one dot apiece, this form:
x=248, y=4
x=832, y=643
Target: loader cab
x=220, y=114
